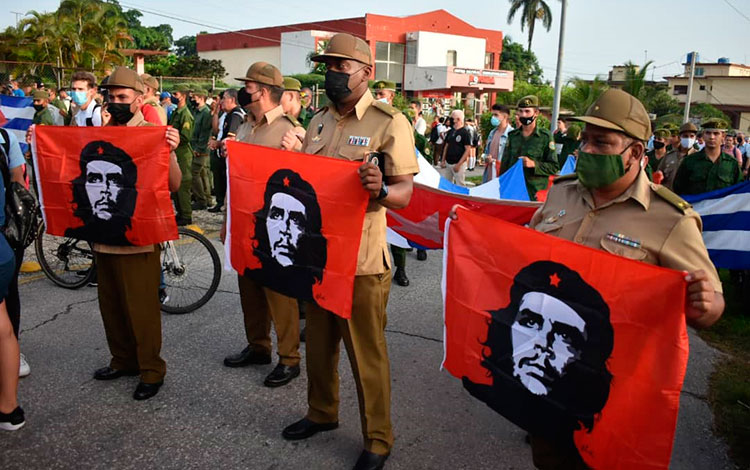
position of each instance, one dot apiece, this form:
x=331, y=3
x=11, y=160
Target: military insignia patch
x=359, y=141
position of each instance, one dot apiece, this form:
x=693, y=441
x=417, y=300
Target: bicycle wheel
x=191, y=271
x=65, y=261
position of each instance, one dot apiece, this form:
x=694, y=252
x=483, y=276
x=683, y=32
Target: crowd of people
x=614, y=166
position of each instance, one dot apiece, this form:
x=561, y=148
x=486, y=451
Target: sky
x=599, y=33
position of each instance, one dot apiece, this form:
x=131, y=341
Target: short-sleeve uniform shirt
x=371, y=127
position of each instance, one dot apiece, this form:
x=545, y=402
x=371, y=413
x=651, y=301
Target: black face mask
x=450, y=122
x=337, y=86
x=526, y=120
x=39, y=107
x=175, y=101
x=120, y=112
x=659, y=145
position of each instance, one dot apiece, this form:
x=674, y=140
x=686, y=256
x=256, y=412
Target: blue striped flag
x=726, y=224
x=16, y=115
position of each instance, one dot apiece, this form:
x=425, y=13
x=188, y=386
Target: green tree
x=531, y=12
x=657, y=100
x=635, y=78
x=579, y=94
x=704, y=111
x=155, y=38
x=523, y=63
x=186, y=46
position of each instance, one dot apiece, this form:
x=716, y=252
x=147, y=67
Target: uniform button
x=579, y=239
x=590, y=215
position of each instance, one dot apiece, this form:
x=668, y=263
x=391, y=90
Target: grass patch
x=476, y=180
x=729, y=393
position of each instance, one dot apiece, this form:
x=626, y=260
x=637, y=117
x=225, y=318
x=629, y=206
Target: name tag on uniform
x=359, y=141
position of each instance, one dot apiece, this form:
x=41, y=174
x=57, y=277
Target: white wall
x=237, y=61
x=432, y=49
x=295, y=46
x=433, y=78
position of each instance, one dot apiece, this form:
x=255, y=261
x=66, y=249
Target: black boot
x=400, y=277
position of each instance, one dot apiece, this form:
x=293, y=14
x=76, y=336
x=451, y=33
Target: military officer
x=182, y=120
x=42, y=115
x=532, y=144
x=128, y=276
x=201, y=189
x=152, y=110
x=661, y=139
x=353, y=127
x=671, y=162
x=262, y=306
x=708, y=169
x=308, y=111
x=609, y=204
x=290, y=100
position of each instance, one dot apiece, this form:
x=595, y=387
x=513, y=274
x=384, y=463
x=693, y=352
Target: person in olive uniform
x=353, y=126
x=671, y=162
x=201, y=189
x=385, y=91
x=129, y=276
x=532, y=144
x=182, y=120
x=708, y=169
x=610, y=194
x=567, y=138
x=308, y=111
x=262, y=306
x=662, y=137
x=42, y=115
x=291, y=101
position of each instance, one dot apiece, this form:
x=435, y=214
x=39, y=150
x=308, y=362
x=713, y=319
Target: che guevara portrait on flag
x=105, y=185
x=294, y=223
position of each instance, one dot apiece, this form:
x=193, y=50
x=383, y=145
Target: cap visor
x=597, y=122
x=322, y=57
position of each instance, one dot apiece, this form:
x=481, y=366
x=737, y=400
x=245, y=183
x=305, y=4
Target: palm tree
x=635, y=78
x=531, y=12
x=580, y=94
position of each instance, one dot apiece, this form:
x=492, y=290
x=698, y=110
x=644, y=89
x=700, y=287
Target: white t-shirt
x=442, y=130
x=93, y=111
x=420, y=126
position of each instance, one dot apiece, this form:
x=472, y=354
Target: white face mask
x=687, y=142
x=383, y=100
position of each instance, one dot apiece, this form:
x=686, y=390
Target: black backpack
x=21, y=223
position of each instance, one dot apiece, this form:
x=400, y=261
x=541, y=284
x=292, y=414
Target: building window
x=702, y=87
x=389, y=61
x=450, y=58
x=489, y=60
x=680, y=90
x=699, y=71
x=411, y=52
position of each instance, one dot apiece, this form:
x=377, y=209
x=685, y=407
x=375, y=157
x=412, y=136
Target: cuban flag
x=726, y=224
x=569, y=166
x=16, y=115
x=421, y=224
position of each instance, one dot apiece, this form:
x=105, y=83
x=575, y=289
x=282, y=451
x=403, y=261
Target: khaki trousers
x=456, y=177
x=364, y=339
x=261, y=306
x=129, y=304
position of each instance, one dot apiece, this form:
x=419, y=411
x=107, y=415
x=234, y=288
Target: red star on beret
x=286, y=182
x=100, y=150
x=554, y=280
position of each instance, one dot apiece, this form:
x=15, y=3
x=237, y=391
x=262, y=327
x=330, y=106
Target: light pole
x=558, y=78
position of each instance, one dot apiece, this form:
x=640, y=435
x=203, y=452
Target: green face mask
x=598, y=170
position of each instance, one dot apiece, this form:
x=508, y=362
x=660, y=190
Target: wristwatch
x=383, y=192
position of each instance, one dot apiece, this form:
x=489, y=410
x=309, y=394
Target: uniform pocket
x=364, y=244
x=352, y=153
x=630, y=252
x=314, y=147
x=548, y=227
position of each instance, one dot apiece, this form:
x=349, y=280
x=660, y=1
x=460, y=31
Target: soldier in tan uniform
x=129, y=276
x=671, y=162
x=609, y=204
x=152, y=109
x=353, y=127
x=260, y=306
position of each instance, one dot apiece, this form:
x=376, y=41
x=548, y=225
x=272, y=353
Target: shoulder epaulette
x=564, y=178
x=671, y=198
x=386, y=108
x=293, y=120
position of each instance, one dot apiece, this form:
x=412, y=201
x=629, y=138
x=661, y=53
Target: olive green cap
x=346, y=46
x=150, y=81
x=715, y=124
x=688, y=127
x=574, y=132
x=265, y=73
x=662, y=133
x=40, y=95
x=619, y=111
x=384, y=85
x=292, y=84
x=200, y=92
x=529, y=101
x=123, y=77
x=672, y=128
x=182, y=88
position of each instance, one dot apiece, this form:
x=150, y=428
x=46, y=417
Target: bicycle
x=190, y=267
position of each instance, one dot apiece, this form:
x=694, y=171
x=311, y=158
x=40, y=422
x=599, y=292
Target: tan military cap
x=292, y=84
x=529, y=101
x=40, y=95
x=715, y=124
x=688, y=127
x=346, y=46
x=619, y=111
x=123, y=77
x=662, y=133
x=150, y=81
x=265, y=73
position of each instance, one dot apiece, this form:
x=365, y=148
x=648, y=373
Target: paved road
x=208, y=416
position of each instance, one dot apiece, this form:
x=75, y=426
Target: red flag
x=105, y=184
x=570, y=343
x=295, y=222
x=422, y=221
